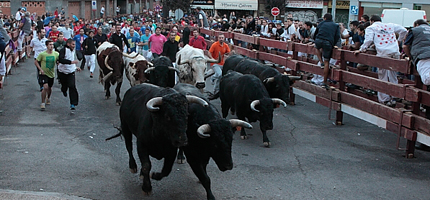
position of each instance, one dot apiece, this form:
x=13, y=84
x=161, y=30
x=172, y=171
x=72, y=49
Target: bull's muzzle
x=200, y=85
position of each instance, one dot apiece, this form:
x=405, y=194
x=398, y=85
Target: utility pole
x=333, y=9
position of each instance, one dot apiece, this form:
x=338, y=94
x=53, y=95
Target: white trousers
x=423, y=68
x=387, y=75
x=21, y=37
x=90, y=60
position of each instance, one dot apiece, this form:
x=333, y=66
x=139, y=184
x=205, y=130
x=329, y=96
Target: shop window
x=417, y=7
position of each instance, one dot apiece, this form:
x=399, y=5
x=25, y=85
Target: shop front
x=241, y=8
x=207, y=6
x=342, y=11
x=304, y=10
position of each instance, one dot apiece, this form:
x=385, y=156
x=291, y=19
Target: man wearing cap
x=25, y=27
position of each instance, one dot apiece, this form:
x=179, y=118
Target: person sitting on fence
x=383, y=35
x=25, y=27
x=417, y=48
x=326, y=36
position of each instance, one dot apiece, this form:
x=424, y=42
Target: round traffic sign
x=275, y=11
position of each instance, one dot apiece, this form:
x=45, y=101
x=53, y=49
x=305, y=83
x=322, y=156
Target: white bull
x=135, y=66
x=192, y=65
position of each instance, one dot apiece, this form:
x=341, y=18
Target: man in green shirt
x=48, y=59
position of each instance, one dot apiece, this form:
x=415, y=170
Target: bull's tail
x=115, y=136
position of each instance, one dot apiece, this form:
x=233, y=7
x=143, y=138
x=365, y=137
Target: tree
x=275, y=3
x=184, y=5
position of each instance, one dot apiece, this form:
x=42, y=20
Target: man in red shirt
x=53, y=35
x=198, y=41
x=218, y=48
x=77, y=27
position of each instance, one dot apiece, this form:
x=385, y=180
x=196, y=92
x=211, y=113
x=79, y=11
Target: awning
x=204, y=7
x=236, y=5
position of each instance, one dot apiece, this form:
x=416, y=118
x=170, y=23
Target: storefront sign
x=236, y=5
x=304, y=4
x=339, y=4
x=202, y=2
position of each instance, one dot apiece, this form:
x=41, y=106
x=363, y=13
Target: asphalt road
x=55, y=151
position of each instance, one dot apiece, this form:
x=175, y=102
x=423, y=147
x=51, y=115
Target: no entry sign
x=275, y=11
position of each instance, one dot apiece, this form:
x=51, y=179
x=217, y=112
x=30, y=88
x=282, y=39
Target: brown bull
x=111, y=64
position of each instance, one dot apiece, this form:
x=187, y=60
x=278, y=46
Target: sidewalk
x=30, y=195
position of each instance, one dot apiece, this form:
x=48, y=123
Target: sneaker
x=325, y=86
x=91, y=75
x=42, y=106
x=72, y=107
x=48, y=101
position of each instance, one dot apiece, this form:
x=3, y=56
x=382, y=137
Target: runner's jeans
x=68, y=82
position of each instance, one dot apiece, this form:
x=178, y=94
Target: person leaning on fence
x=417, y=47
x=383, y=35
x=326, y=36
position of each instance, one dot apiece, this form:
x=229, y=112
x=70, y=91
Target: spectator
x=118, y=10
x=25, y=27
x=102, y=11
x=202, y=19
x=67, y=31
x=156, y=42
x=197, y=41
x=326, y=36
x=416, y=46
x=383, y=35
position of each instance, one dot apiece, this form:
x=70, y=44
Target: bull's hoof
x=107, y=97
x=156, y=176
x=266, y=144
x=181, y=161
x=243, y=137
x=134, y=170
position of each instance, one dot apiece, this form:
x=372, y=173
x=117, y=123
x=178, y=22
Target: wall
x=5, y=7
x=39, y=7
x=73, y=8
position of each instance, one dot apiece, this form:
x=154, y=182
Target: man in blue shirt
x=133, y=39
x=144, y=43
x=79, y=39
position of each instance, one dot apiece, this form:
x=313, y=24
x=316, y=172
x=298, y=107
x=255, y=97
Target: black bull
x=246, y=96
x=277, y=84
x=209, y=136
x=111, y=70
x=160, y=127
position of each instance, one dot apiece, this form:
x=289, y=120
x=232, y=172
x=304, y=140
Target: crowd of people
x=140, y=33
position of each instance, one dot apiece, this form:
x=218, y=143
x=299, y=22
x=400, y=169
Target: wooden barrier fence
x=407, y=121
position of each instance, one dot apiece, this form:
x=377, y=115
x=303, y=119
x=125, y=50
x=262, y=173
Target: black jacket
x=100, y=39
x=89, y=46
x=328, y=30
x=170, y=49
x=118, y=39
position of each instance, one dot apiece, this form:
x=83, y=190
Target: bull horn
x=279, y=101
x=150, y=63
x=202, y=130
x=238, y=122
x=195, y=99
x=172, y=68
x=128, y=56
x=149, y=69
x=152, y=103
x=209, y=73
x=106, y=63
x=293, y=77
x=107, y=76
x=253, y=104
x=215, y=61
x=182, y=62
x=269, y=80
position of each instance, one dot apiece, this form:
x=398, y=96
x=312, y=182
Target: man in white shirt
x=102, y=11
x=67, y=31
x=383, y=35
x=289, y=30
x=38, y=46
x=18, y=14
